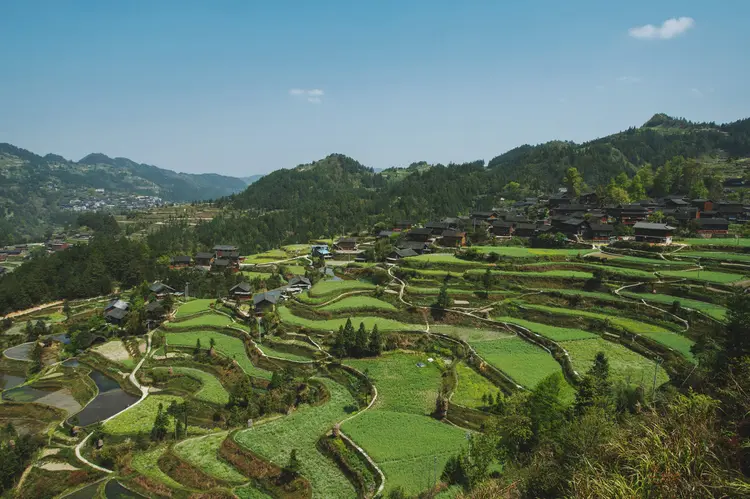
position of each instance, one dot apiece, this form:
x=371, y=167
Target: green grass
x=586, y=294
x=203, y=453
x=211, y=390
x=333, y=324
x=716, y=311
x=229, y=346
x=360, y=302
x=272, y=352
x=414, y=290
x=216, y=320
x=717, y=255
x=296, y=248
x=470, y=334
x=552, y=332
x=140, y=418
x=658, y=262
x=256, y=275
x=471, y=387
x=619, y=271
x=296, y=269
x=323, y=288
x=443, y=258
x=268, y=256
x=522, y=252
x=728, y=241
x=674, y=341
x=527, y=364
x=250, y=492
x=624, y=364
x=407, y=447
x=402, y=386
x=397, y=431
x=567, y=274
x=629, y=325
x=704, y=275
x=146, y=463
x=301, y=430
x=193, y=307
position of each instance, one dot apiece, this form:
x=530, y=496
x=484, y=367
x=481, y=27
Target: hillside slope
x=35, y=190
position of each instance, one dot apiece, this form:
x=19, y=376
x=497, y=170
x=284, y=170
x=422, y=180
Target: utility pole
x=187, y=285
x=657, y=361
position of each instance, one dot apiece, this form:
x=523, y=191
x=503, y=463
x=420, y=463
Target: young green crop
x=211, y=389
x=384, y=324
x=358, y=302
x=203, y=453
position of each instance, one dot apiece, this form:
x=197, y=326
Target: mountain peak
x=665, y=121
x=97, y=158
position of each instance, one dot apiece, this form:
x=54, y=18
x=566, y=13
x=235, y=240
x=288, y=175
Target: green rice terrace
x=370, y=382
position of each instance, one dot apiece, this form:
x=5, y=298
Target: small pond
x=88, y=492
x=329, y=273
x=8, y=381
x=19, y=352
x=115, y=490
x=110, y=400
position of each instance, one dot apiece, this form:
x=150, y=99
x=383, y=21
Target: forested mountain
x=339, y=195
x=35, y=190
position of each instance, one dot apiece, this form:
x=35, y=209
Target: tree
x=66, y=309
x=546, y=406
x=594, y=388
x=573, y=181
x=657, y=217
x=736, y=337
x=339, y=345
x=293, y=465
x=349, y=337
x=443, y=299
x=361, y=341
x=197, y=349
x=161, y=425
x=375, y=346
x=487, y=280
x=211, y=344
x=698, y=190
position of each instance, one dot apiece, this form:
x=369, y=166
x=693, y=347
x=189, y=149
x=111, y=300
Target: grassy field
x=360, y=302
x=402, y=386
x=657, y=262
x=323, y=288
x=397, y=431
x=624, y=364
x=297, y=248
x=202, y=452
x=728, y=241
x=442, y=259
x=527, y=364
x=301, y=430
x=140, y=419
x=717, y=255
x=470, y=334
x=586, y=294
x=250, y=492
x=146, y=463
x=705, y=275
x=229, y=346
x=272, y=352
x=471, y=387
x=217, y=320
x=674, y=341
x=552, y=332
x=522, y=252
x=296, y=269
x=716, y=311
x=630, y=325
x=250, y=275
x=268, y=256
x=211, y=390
x=333, y=324
x=415, y=290
x=568, y=274
x=193, y=307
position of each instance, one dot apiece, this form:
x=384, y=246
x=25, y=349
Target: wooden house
x=241, y=292
x=453, y=238
x=647, y=232
x=708, y=227
x=346, y=244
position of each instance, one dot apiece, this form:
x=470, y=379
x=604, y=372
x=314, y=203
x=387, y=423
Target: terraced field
x=705, y=275
x=471, y=387
x=358, y=302
x=624, y=364
x=275, y=352
x=215, y=320
x=441, y=259
x=522, y=252
x=211, y=390
x=397, y=432
x=193, y=307
x=552, y=332
x=557, y=274
x=630, y=325
x=333, y=324
x=140, y=418
x=717, y=255
x=229, y=346
x=728, y=241
x=301, y=431
x=203, y=453
x=716, y=311
x=325, y=288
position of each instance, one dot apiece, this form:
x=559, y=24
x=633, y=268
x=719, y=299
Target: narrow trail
x=360, y=449
x=339, y=297
x=618, y=290
x=144, y=393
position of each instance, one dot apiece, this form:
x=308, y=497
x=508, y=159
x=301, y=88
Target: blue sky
x=245, y=87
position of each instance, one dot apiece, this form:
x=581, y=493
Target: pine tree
x=443, y=300
x=375, y=347
x=339, y=347
x=361, y=341
x=349, y=337
x=197, y=349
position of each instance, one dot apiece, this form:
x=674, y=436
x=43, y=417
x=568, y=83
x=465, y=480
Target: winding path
x=144, y=394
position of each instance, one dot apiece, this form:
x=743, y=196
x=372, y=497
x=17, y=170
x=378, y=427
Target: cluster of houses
x=266, y=301
x=579, y=219
x=219, y=259
x=116, y=311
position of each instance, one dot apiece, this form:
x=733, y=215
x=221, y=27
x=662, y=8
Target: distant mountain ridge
x=34, y=188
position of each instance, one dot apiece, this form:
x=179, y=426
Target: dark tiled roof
x=406, y=252
x=243, y=287
x=225, y=247
x=204, y=256
x=453, y=233
x=652, y=226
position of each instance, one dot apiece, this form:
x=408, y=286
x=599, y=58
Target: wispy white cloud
x=313, y=95
x=669, y=29
x=696, y=92
x=629, y=79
